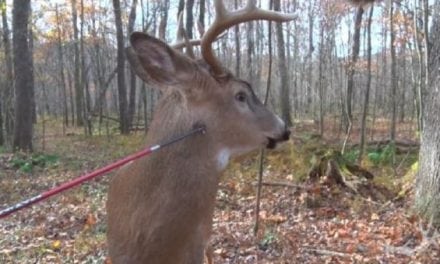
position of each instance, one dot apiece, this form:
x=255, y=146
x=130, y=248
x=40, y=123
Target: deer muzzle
x=272, y=142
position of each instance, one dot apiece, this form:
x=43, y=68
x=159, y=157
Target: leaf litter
x=309, y=223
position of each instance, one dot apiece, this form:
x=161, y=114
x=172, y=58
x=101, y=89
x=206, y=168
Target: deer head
x=160, y=208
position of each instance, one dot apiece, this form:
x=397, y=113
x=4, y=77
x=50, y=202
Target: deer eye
x=241, y=97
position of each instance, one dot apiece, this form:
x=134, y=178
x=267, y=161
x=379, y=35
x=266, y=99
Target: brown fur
x=160, y=207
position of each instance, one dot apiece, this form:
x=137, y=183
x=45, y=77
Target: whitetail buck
x=160, y=207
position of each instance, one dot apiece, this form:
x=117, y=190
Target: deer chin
x=271, y=143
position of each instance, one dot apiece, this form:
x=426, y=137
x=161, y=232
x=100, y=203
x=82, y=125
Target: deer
x=160, y=207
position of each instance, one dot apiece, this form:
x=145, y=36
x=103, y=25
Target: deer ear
x=153, y=60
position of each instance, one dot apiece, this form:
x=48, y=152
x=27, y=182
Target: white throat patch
x=223, y=158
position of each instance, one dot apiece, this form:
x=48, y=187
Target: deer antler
x=225, y=19
x=182, y=39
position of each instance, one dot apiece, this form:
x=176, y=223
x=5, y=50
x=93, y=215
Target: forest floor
x=301, y=221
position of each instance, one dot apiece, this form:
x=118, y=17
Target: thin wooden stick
x=261, y=160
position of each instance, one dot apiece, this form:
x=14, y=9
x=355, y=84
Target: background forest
x=356, y=80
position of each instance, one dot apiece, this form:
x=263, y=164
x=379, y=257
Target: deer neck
x=195, y=162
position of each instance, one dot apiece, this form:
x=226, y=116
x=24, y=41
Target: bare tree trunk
x=426, y=39
x=8, y=92
x=163, y=18
x=202, y=15
x=237, y=45
x=367, y=89
x=309, y=98
x=427, y=194
x=403, y=83
x=2, y=139
x=189, y=18
x=393, y=76
x=284, y=90
x=77, y=72
x=23, y=71
x=84, y=79
x=250, y=52
x=122, y=91
x=31, y=61
x=352, y=67
x=295, y=96
x=61, y=68
x=421, y=83
x=72, y=97
x=132, y=95
x=266, y=97
x=321, y=81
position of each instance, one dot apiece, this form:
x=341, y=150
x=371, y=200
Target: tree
x=2, y=140
x=23, y=74
x=202, y=13
x=427, y=195
x=8, y=92
x=132, y=96
x=352, y=66
x=84, y=77
x=122, y=90
x=311, y=16
x=367, y=89
x=31, y=61
x=237, y=45
x=189, y=18
x=62, y=78
x=284, y=91
x=77, y=79
x=393, y=75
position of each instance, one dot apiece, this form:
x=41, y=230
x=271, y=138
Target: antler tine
x=179, y=32
x=182, y=39
x=225, y=19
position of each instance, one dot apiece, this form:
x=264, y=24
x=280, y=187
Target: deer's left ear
x=153, y=60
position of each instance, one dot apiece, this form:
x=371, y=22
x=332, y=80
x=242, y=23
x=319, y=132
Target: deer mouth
x=273, y=142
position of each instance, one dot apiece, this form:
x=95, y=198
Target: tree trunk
x=426, y=41
x=122, y=91
x=61, y=68
x=202, y=15
x=393, y=75
x=309, y=98
x=72, y=98
x=427, y=195
x=250, y=52
x=132, y=95
x=367, y=89
x=84, y=78
x=77, y=72
x=2, y=139
x=164, y=18
x=403, y=84
x=31, y=61
x=421, y=84
x=284, y=90
x=23, y=72
x=8, y=92
x=352, y=67
x=237, y=45
x=189, y=18
x=321, y=81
